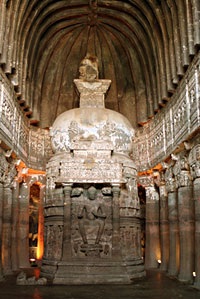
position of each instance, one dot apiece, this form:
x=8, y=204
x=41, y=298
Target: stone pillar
x=194, y=161
x=186, y=220
x=116, y=252
x=173, y=265
x=152, y=248
x=15, y=218
x=197, y=230
x=1, y=216
x=23, y=232
x=67, y=222
x=164, y=226
x=6, y=231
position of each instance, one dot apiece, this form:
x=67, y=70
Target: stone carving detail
x=91, y=223
x=10, y=174
x=130, y=236
x=7, y=170
x=60, y=140
x=53, y=238
x=90, y=170
x=3, y=166
x=151, y=194
x=88, y=69
x=64, y=139
x=194, y=161
x=170, y=180
x=181, y=172
x=129, y=201
x=146, y=180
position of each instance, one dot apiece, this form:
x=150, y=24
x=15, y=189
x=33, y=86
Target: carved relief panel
x=130, y=237
x=53, y=238
x=91, y=225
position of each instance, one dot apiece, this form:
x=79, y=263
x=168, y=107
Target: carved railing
x=178, y=120
x=153, y=143
x=32, y=145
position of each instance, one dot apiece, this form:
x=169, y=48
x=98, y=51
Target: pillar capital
x=170, y=180
x=67, y=188
x=181, y=170
x=194, y=161
x=116, y=189
x=146, y=181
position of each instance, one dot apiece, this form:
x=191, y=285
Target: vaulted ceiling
x=143, y=46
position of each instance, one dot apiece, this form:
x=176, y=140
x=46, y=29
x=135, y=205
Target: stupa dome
x=91, y=126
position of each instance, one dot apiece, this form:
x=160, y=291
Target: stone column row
x=173, y=217
x=14, y=224
x=14, y=227
x=170, y=220
x=194, y=161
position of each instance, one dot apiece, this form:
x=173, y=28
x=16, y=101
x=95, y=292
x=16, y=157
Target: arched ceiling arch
x=143, y=46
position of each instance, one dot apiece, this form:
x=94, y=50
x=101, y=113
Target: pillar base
x=184, y=278
x=163, y=268
x=196, y=285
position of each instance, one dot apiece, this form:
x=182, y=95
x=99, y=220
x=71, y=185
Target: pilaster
x=67, y=222
x=116, y=222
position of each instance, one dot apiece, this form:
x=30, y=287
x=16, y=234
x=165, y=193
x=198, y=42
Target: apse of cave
x=99, y=140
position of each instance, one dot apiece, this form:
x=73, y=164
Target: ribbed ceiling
x=143, y=46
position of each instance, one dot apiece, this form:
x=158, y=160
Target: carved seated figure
x=91, y=217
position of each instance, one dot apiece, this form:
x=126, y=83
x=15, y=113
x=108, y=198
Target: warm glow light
x=40, y=245
x=32, y=260
x=39, y=252
x=159, y=261
x=194, y=274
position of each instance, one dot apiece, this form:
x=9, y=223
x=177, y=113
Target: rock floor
x=155, y=285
